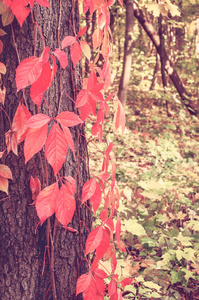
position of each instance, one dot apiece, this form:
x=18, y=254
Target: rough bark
x=25, y=270
x=192, y=106
x=128, y=47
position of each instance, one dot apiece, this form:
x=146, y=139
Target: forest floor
x=157, y=173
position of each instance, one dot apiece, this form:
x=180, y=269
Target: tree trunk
x=128, y=47
x=162, y=61
x=192, y=106
x=31, y=267
x=155, y=72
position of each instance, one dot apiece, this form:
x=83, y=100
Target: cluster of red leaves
x=58, y=197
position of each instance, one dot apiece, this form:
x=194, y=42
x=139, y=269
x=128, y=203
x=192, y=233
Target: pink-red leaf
x=56, y=148
x=68, y=119
x=88, y=189
x=82, y=98
x=69, y=138
x=82, y=31
x=19, y=123
x=119, y=116
x=37, y=121
x=66, y=205
x=112, y=287
x=29, y=70
x=68, y=41
x=41, y=85
x=4, y=184
x=20, y=10
x=43, y=3
x=85, y=49
x=125, y=282
x=94, y=239
x=62, y=57
x=46, y=202
x=83, y=283
x=96, y=198
x=5, y=171
x=34, y=141
x=100, y=273
x=76, y=53
x=104, y=244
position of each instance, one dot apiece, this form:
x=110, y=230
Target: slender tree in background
x=40, y=262
x=191, y=104
x=128, y=47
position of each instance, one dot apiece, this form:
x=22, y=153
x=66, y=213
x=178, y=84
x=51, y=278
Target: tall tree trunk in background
x=192, y=106
x=128, y=47
x=155, y=72
x=162, y=61
x=30, y=270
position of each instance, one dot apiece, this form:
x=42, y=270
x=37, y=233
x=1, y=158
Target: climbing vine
x=52, y=137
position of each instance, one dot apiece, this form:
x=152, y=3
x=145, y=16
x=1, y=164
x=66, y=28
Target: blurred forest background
x=155, y=70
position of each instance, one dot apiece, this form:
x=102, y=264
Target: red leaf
x=19, y=123
x=7, y=2
x=100, y=285
x=82, y=98
x=20, y=10
x=62, y=57
x=121, y=2
x=126, y=281
x=109, y=252
x=69, y=138
x=11, y=142
x=54, y=69
x=83, y=283
x=43, y=3
x=46, y=202
x=66, y=205
x=121, y=246
x=76, y=53
x=100, y=273
x=82, y=31
x=5, y=172
x=38, y=121
x=72, y=182
x=97, y=38
x=104, y=245
x=34, y=141
x=94, y=239
x=29, y=70
x=41, y=85
x=118, y=229
x=119, y=116
x=68, y=119
x=112, y=287
x=35, y=186
x=68, y=41
x=110, y=224
x=103, y=175
x=85, y=49
x=4, y=184
x=88, y=189
x=56, y=148
x=104, y=214
x=95, y=95
x=96, y=198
